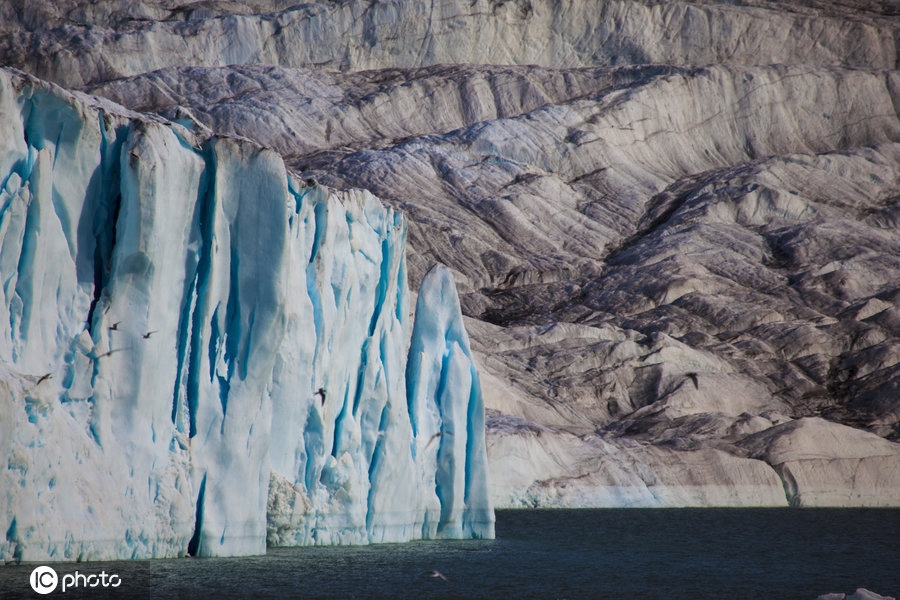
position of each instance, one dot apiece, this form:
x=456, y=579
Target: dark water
x=674, y=554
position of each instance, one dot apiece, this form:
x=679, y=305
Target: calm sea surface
x=631, y=553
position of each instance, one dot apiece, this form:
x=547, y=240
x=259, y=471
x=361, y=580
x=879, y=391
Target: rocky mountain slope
x=675, y=227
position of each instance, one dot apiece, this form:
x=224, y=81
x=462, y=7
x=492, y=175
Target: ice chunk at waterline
x=448, y=414
x=197, y=352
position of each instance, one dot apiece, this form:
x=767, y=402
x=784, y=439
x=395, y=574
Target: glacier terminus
x=201, y=353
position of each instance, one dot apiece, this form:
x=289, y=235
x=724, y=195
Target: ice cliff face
x=201, y=353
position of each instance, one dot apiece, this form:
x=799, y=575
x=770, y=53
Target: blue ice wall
x=200, y=354
x=447, y=415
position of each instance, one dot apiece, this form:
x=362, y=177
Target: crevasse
x=200, y=354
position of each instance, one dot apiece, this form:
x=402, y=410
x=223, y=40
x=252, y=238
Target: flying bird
x=149, y=333
x=436, y=573
x=321, y=392
x=109, y=352
x=115, y=326
x=41, y=380
x=431, y=439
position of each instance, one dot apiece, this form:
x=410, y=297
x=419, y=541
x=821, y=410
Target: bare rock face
x=674, y=227
x=816, y=458
x=548, y=467
x=85, y=41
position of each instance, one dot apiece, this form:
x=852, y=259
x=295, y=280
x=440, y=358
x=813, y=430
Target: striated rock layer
x=83, y=42
x=673, y=226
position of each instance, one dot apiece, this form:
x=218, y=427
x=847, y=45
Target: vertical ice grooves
x=98, y=286
x=224, y=389
x=194, y=270
x=340, y=425
x=361, y=374
x=312, y=289
x=383, y=284
x=181, y=348
x=107, y=209
x=375, y=462
x=198, y=295
x=204, y=268
x=212, y=345
x=233, y=328
x=443, y=478
x=444, y=398
x=98, y=253
x=13, y=538
x=298, y=200
x=193, y=548
x=401, y=284
x=475, y=452
x=321, y=212
x=26, y=272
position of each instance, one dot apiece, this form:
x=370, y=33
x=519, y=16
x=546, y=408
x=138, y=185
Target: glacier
x=201, y=353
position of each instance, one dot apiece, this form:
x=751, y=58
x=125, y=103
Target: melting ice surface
x=200, y=354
